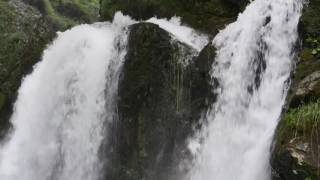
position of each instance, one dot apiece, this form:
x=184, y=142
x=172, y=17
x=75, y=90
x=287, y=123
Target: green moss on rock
x=64, y=14
x=24, y=34
x=298, y=137
x=296, y=152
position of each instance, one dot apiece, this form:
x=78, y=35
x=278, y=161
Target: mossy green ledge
x=296, y=151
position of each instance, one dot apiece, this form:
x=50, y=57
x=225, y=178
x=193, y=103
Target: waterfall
x=61, y=107
x=255, y=56
x=65, y=104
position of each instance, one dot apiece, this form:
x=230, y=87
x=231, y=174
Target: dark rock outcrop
x=161, y=99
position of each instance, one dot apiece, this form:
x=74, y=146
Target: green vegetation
x=297, y=153
x=314, y=43
x=64, y=14
x=61, y=21
x=67, y=13
x=23, y=34
x=304, y=121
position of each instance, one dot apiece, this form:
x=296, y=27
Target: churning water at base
x=255, y=56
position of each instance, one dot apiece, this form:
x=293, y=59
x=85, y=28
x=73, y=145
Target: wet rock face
x=161, y=100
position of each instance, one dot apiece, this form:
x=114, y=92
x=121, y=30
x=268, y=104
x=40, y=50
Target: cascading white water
x=65, y=103
x=62, y=105
x=241, y=124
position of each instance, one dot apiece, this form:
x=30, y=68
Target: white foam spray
x=61, y=106
x=64, y=105
x=255, y=56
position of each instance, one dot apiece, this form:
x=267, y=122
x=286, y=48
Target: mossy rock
x=296, y=155
x=64, y=14
x=161, y=99
x=297, y=127
x=24, y=34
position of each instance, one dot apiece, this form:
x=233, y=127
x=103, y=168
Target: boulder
x=163, y=92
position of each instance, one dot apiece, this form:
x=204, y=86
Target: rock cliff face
x=161, y=99
x=297, y=141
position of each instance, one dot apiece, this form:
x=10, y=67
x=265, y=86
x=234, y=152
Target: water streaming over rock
x=61, y=106
x=255, y=56
x=64, y=105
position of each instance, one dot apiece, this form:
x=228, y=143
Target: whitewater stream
x=255, y=56
x=64, y=105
